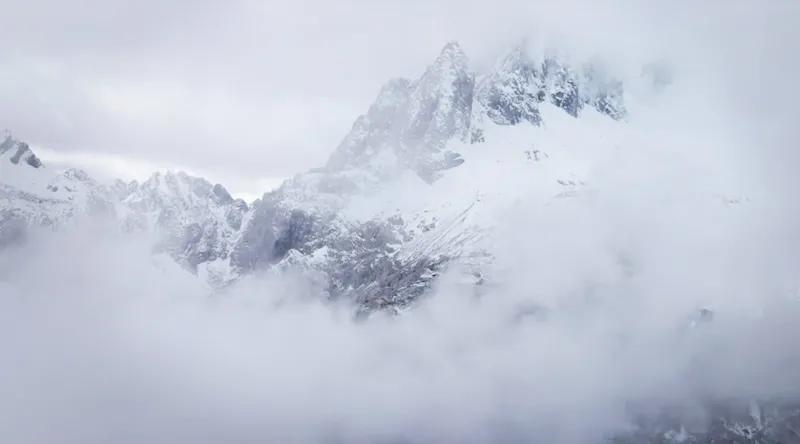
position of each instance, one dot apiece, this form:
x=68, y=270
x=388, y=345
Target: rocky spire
x=413, y=121
x=373, y=131
x=439, y=109
x=511, y=93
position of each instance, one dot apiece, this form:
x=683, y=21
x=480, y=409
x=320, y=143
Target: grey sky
x=247, y=92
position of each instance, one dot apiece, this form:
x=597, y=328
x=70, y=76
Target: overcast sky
x=248, y=93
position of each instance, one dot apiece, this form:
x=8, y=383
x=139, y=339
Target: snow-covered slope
x=32, y=194
x=194, y=221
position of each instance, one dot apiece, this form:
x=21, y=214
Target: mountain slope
x=193, y=220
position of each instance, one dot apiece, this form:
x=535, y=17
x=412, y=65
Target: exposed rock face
x=438, y=110
x=513, y=91
x=198, y=222
x=411, y=122
x=17, y=152
x=374, y=132
x=360, y=260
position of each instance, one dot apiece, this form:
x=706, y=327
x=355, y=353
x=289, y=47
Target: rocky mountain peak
x=372, y=132
x=178, y=189
x=393, y=93
x=519, y=83
x=439, y=110
x=411, y=124
x=451, y=59
x=512, y=91
x=18, y=153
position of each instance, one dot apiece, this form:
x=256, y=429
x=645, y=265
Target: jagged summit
x=439, y=110
x=324, y=219
x=197, y=221
x=181, y=185
x=449, y=65
x=520, y=82
x=411, y=123
x=372, y=132
x=18, y=153
x=512, y=92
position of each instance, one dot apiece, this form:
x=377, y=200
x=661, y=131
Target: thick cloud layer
x=595, y=308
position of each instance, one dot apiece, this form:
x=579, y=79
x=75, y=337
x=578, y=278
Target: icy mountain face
x=373, y=132
x=410, y=123
x=438, y=111
x=406, y=130
x=357, y=259
x=514, y=91
x=196, y=221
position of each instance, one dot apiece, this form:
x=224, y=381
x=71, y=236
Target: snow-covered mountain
x=196, y=222
x=404, y=191
x=385, y=214
x=33, y=195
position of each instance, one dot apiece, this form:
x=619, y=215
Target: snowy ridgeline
x=385, y=214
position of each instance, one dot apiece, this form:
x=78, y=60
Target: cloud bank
x=596, y=310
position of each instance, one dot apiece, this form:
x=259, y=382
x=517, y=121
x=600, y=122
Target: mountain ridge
x=420, y=127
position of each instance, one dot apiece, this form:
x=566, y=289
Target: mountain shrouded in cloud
x=421, y=128
x=536, y=251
